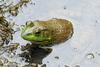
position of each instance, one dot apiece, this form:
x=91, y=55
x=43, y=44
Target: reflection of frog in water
x=45, y=33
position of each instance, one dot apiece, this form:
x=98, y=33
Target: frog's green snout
x=26, y=33
x=31, y=34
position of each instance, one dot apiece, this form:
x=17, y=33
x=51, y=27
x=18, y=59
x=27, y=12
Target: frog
x=47, y=32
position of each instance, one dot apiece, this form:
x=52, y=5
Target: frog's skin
x=53, y=31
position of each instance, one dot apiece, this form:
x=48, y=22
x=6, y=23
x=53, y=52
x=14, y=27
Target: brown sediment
x=5, y=31
x=13, y=9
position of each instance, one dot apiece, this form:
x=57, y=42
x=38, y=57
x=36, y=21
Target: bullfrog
x=48, y=32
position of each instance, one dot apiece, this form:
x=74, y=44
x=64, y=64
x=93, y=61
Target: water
x=85, y=16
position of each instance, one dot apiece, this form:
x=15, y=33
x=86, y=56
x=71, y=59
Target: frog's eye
x=38, y=33
x=29, y=23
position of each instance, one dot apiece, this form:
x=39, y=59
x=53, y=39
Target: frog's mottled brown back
x=60, y=29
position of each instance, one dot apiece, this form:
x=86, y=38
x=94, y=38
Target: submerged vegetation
x=6, y=31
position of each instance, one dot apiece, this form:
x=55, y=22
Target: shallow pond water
x=85, y=16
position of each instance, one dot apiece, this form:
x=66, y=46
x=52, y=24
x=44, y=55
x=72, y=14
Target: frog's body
x=48, y=32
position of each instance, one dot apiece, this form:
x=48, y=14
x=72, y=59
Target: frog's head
x=34, y=33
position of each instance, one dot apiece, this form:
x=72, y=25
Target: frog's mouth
x=33, y=37
x=29, y=35
x=37, y=39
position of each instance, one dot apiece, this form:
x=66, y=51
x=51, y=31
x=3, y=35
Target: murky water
x=85, y=16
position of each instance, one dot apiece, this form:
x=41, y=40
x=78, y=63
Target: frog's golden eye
x=38, y=33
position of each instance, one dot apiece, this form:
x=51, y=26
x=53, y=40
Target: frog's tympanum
x=47, y=33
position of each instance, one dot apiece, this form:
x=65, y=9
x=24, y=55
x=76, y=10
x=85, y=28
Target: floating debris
x=13, y=46
x=31, y=65
x=98, y=53
x=6, y=31
x=7, y=52
x=4, y=6
x=9, y=48
x=13, y=12
x=11, y=64
x=47, y=33
x=65, y=7
x=12, y=9
x=56, y=57
x=3, y=61
x=44, y=65
x=47, y=61
x=77, y=65
x=1, y=64
x=90, y=56
x=66, y=66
